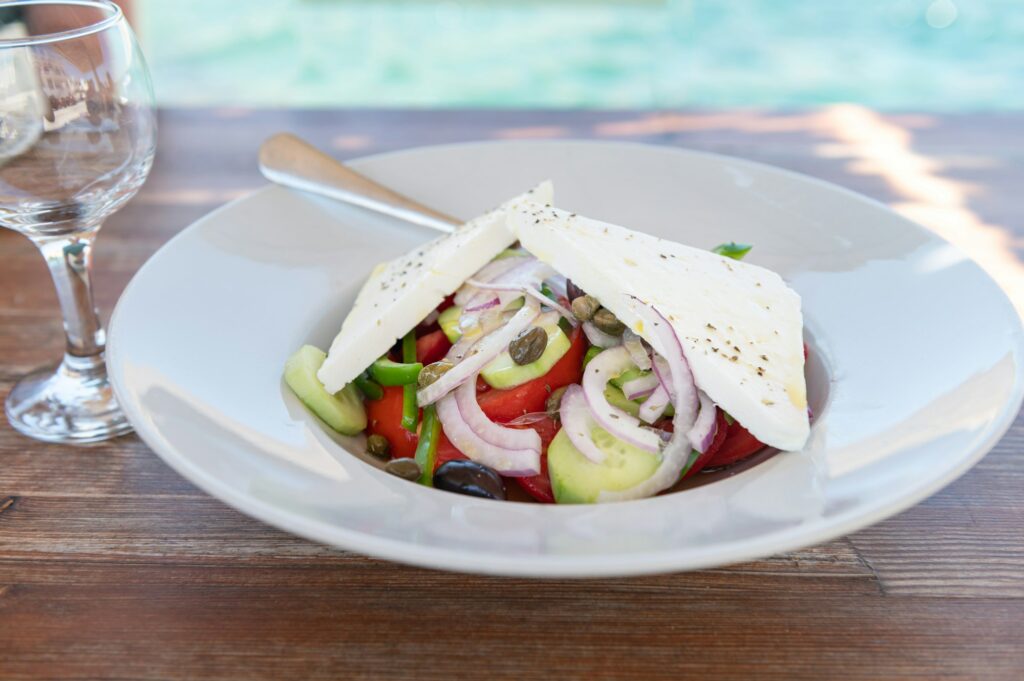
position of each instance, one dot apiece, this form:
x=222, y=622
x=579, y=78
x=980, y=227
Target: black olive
x=572, y=291
x=470, y=478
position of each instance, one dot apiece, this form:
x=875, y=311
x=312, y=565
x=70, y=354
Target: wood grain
x=112, y=566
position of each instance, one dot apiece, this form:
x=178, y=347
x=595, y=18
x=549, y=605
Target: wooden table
x=112, y=566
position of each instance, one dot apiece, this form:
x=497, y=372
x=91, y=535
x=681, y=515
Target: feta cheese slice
x=400, y=293
x=740, y=326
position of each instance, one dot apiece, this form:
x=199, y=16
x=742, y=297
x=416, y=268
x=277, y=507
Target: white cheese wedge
x=400, y=293
x=740, y=325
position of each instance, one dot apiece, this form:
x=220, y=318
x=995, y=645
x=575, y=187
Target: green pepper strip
x=386, y=372
x=592, y=352
x=732, y=250
x=410, y=410
x=692, y=459
x=426, y=448
x=371, y=390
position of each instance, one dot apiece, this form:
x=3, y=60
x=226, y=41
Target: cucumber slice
x=616, y=398
x=512, y=253
x=628, y=375
x=449, y=323
x=343, y=411
x=575, y=479
x=449, y=319
x=502, y=372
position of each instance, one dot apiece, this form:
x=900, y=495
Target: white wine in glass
x=77, y=137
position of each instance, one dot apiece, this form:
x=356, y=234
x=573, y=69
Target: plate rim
x=568, y=565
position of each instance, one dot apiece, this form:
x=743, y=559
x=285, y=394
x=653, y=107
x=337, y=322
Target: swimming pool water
x=939, y=55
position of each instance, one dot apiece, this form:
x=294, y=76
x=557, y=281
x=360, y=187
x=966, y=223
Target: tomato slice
x=738, y=445
x=432, y=346
x=384, y=417
x=505, y=405
x=446, y=451
x=448, y=301
x=539, y=486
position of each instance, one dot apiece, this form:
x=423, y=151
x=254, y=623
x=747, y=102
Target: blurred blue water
x=934, y=55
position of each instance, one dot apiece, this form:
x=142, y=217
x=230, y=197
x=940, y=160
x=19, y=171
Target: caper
x=377, y=445
x=554, y=401
x=432, y=372
x=572, y=291
x=584, y=307
x=405, y=468
x=470, y=478
x=528, y=346
x=608, y=322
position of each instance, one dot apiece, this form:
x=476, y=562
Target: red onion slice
x=511, y=462
x=461, y=347
x=655, y=405
x=677, y=451
x=488, y=430
x=578, y=423
x=470, y=338
x=489, y=272
x=474, y=327
x=486, y=308
x=528, y=272
x=557, y=285
x=602, y=368
x=636, y=349
x=565, y=312
x=664, y=374
x=598, y=337
x=486, y=349
x=705, y=427
x=527, y=290
x=485, y=305
x=642, y=386
x=688, y=400
x=674, y=372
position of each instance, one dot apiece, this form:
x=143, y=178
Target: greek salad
x=578, y=360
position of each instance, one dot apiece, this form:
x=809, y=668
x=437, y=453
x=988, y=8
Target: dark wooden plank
x=379, y=625
x=123, y=467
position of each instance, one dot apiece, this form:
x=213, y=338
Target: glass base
x=71, y=403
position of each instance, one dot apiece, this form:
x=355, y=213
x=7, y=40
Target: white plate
x=919, y=369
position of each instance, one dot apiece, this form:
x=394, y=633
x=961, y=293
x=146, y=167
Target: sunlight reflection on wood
x=880, y=146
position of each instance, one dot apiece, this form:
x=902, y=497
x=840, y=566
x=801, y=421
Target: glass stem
x=69, y=258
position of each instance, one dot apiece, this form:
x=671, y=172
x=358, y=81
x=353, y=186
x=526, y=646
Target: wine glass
x=77, y=137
